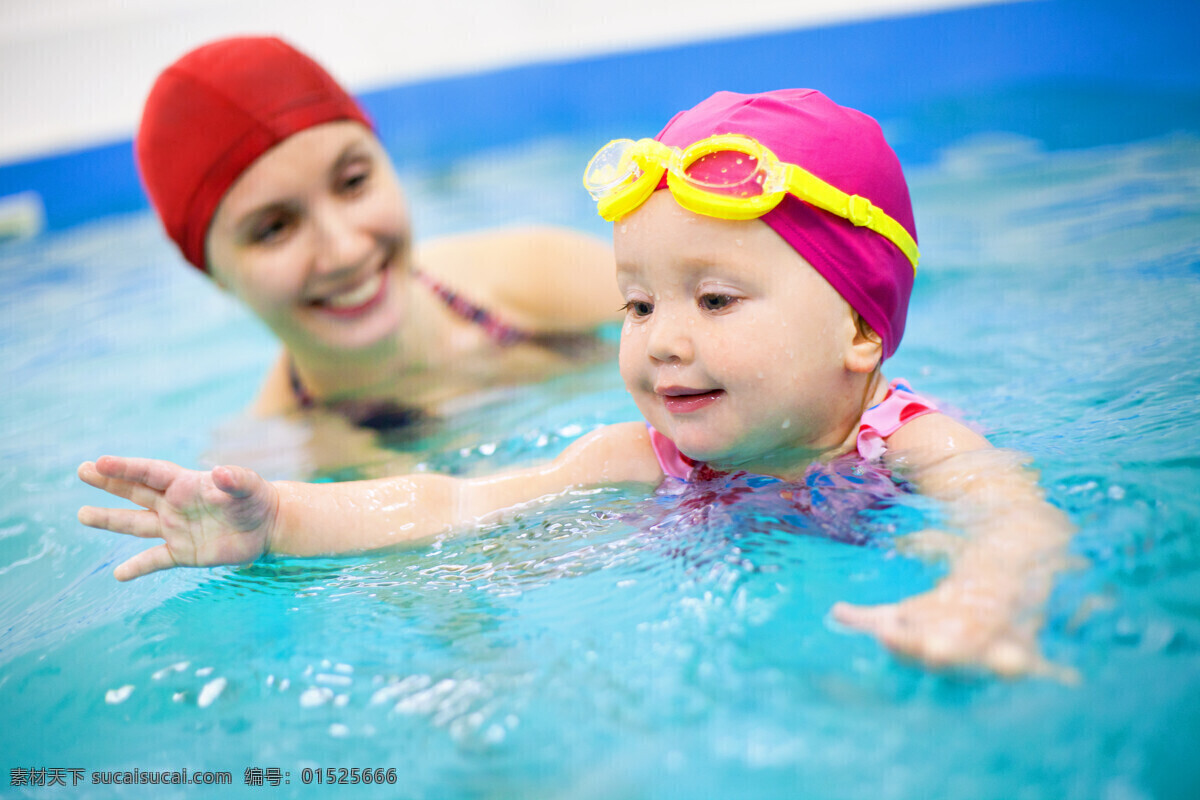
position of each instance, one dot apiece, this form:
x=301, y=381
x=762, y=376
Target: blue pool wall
x=1136, y=62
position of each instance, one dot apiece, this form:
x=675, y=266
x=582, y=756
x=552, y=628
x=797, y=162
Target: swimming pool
x=614, y=645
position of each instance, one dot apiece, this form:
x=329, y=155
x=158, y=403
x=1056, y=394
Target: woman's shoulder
x=538, y=278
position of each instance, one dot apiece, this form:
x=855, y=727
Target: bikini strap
x=303, y=397
x=498, y=331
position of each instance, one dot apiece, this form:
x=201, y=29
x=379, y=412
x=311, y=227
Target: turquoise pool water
x=617, y=645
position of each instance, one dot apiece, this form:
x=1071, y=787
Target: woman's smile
x=356, y=300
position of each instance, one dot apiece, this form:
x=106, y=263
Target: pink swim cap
x=213, y=112
x=845, y=148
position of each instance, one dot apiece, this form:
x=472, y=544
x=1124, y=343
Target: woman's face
x=314, y=238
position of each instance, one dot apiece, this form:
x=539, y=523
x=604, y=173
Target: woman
x=269, y=178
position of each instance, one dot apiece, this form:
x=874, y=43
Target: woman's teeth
x=357, y=296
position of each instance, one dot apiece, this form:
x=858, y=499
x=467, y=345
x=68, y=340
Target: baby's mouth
x=681, y=400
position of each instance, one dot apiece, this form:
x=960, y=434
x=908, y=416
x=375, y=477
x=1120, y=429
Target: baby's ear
x=866, y=348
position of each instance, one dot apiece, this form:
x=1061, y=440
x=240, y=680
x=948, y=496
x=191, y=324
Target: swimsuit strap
x=303, y=397
x=379, y=415
x=672, y=461
x=900, y=405
x=498, y=331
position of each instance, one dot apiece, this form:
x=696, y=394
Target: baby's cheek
x=630, y=355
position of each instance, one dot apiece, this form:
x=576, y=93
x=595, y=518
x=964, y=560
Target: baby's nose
x=670, y=337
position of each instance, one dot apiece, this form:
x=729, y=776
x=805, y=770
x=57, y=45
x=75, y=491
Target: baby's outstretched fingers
x=205, y=518
x=148, y=472
x=138, y=493
x=932, y=642
x=143, y=524
x=145, y=562
x=868, y=619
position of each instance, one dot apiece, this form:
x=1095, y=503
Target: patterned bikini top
x=497, y=330
x=878, y=422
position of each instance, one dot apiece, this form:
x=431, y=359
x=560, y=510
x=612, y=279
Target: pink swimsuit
x=880, y=421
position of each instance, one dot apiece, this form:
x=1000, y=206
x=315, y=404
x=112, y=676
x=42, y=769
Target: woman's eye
x=353, y=182
x=270, y=229
x=638, y=308
x=715, y=302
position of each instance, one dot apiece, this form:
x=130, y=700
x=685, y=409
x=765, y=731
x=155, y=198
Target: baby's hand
x=957, y=624
x=224, y=516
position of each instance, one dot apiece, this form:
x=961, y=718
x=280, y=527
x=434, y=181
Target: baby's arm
x=230, y=515
x=987, y=610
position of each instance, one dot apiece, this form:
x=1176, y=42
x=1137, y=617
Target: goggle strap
x=852, y=207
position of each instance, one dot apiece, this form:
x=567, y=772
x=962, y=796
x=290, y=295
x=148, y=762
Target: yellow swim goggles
x=745, y=184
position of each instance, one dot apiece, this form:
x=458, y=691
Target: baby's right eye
x=638, y=308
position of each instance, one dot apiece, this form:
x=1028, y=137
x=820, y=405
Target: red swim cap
x=845, y=148
x=213, y=112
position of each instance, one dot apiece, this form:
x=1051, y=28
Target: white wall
x=75, y=72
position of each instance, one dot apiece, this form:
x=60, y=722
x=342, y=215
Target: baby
x=765, y=248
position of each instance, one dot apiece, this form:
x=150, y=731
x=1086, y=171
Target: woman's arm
x=230, y=515
x=987, y=610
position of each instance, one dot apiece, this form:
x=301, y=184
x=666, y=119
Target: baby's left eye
x=715, y=302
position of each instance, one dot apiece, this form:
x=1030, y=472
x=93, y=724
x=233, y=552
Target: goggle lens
x=727, y=172
x=611, y=169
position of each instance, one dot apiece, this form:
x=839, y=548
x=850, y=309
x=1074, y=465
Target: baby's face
x=733, y=346
x=313, y=237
